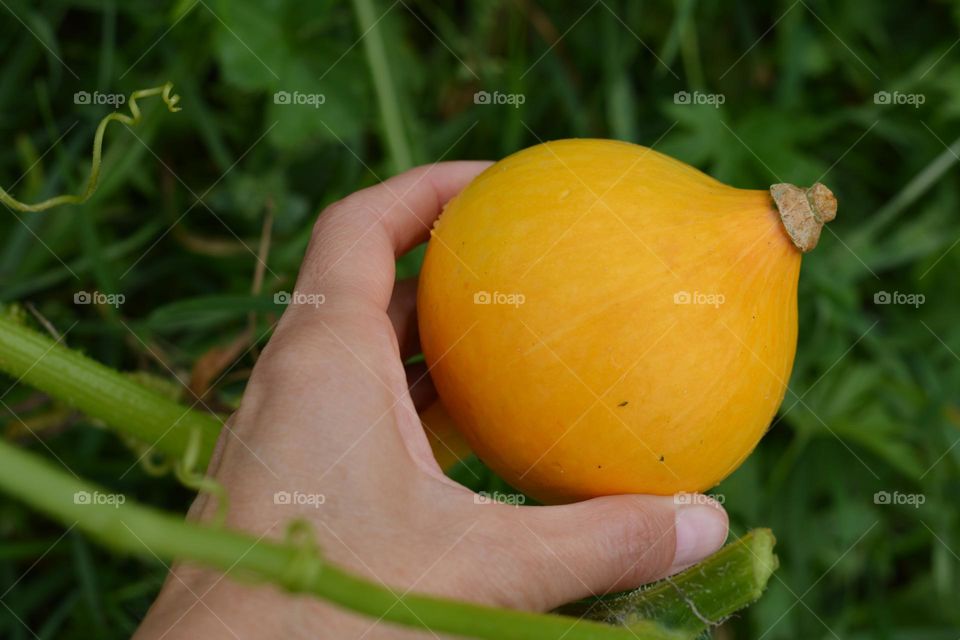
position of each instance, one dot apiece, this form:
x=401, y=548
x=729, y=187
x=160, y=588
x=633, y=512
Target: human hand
x=328, y=412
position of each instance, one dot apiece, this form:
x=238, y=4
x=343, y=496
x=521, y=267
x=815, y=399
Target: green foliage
x=177, y=220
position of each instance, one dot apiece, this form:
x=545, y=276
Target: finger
x=403, y=316
x=613, y=543
x=356, y=240
x=332, y=363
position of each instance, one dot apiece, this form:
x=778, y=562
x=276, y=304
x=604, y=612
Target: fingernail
x=701, y=530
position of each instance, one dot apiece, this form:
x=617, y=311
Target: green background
x=179, y=217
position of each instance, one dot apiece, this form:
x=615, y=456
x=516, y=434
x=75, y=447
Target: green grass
x=176, y=224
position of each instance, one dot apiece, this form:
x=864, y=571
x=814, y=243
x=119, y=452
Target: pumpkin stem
x=804, y=211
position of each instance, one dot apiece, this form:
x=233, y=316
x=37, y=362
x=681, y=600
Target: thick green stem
x=103, y=393
x=129, y=527
x=698, y=598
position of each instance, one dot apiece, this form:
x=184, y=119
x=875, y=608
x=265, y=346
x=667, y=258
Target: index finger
x=356, y=240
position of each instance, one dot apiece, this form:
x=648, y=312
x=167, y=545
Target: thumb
x=612, y=544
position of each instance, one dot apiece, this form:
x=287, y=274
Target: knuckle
x=334, y=218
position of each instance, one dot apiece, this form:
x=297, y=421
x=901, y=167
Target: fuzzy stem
x=698, y=598
x=128, y=527
x=101, y=392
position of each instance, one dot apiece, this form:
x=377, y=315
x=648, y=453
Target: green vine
x=165, y=435
x=700, y=597
x=170, y=99
x=295, y=564
x=120, y=403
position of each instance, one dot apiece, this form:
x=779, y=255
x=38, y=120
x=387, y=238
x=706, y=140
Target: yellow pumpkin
x=600, y=318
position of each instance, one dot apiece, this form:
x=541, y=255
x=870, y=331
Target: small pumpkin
x=600, y=318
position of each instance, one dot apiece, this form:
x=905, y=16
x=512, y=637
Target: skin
x=329, y=410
